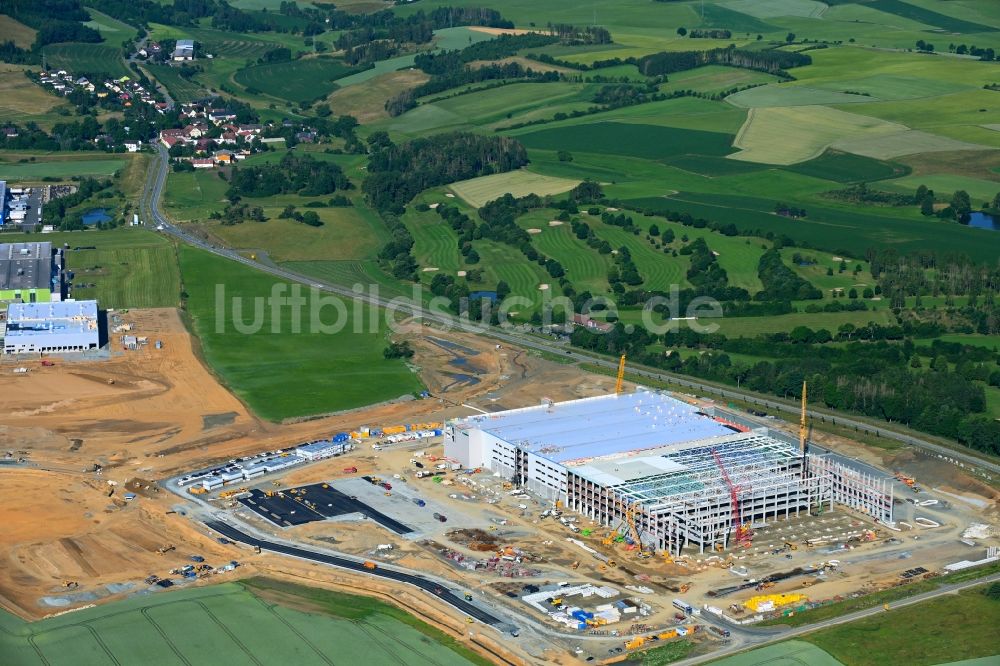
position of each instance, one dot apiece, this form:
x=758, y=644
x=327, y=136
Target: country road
x=151, y=204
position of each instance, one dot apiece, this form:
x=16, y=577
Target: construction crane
x=743, y=533
x=630, y=519
x=803, y=431
x=621, y=375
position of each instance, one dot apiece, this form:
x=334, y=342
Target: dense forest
x=398, y=172
x=294, y=174
x=781, y=282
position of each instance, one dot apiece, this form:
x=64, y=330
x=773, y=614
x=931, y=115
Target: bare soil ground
x=145, y=415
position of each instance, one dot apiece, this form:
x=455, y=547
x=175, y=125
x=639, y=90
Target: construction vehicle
x=742, y=534
x=575, y=565
x=791, y=546
x=71, y=584
x=48, y=364
x=276, y=484
x=469, y=620
x=621, y=375
x=468, y=597
x=350, y=470
x=370, y=565
x=256, y=549
x=226, y=494
x=165, y=549
x=197, y=490
x=685, y=587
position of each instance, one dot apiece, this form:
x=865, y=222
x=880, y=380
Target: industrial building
x=3, y=202
x=681, y=474
x=184, y=50
x=30, y=273
x=44, y=328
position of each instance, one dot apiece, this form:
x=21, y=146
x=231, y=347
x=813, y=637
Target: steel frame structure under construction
x=679, y=492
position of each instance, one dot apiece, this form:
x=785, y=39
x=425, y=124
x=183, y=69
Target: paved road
x=436, y=589
x=152, y=203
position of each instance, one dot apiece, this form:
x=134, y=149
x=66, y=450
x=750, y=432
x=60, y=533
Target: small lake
x=92, y=217
x=984, y=221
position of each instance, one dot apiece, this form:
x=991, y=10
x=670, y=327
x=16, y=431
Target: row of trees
x=772, y=61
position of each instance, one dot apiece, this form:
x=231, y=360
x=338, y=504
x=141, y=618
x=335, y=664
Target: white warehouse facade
x=688, y=476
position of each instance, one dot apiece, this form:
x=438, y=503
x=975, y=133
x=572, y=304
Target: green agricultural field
x=847, y=168
x=337, y=370
x=929, y=17
x=256, y=621
x=765, y=9
x=181, y=89
x=131, y=268
x=645, y=141
x=786, y=135
x=788, y=95
x=712, y=79
x=296, y=81
x=789, y=653
x=194, y=195
x=144, y=276
x=981, y=190
x=477, y=191
x=365, y=274
x=86, y=58
x=912, y=635
x=347, y=233
x=110, y=28
x=59, y=168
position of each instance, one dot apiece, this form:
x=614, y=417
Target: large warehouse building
x=686, y=476
x=48, y=328
x=29, y=273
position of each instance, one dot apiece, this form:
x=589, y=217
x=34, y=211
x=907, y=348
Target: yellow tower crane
x=621, y=375
x=803, y=430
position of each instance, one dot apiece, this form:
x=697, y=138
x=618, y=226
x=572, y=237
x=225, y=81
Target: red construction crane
x=743, y=533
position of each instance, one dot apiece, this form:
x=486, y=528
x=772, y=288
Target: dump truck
x=370, y=565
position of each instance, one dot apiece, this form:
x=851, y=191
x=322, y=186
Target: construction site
x=593, y=516
x=668, y=473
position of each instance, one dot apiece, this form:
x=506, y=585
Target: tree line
x=868, y=377
x=771, y=61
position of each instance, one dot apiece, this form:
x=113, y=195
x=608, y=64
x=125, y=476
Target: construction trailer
x=683, y=475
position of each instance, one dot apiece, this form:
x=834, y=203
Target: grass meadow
x=911, y=635
x=477, y=191
x=131, y=268
x=22, y=101
x=335, y=371
x=15, y=31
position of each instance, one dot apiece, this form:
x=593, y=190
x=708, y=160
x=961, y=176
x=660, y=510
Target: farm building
x=34, y=328
x=29, y=272
x=184, y=50
x=686, y=476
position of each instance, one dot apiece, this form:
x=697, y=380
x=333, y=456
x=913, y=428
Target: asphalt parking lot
x=296, y=506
